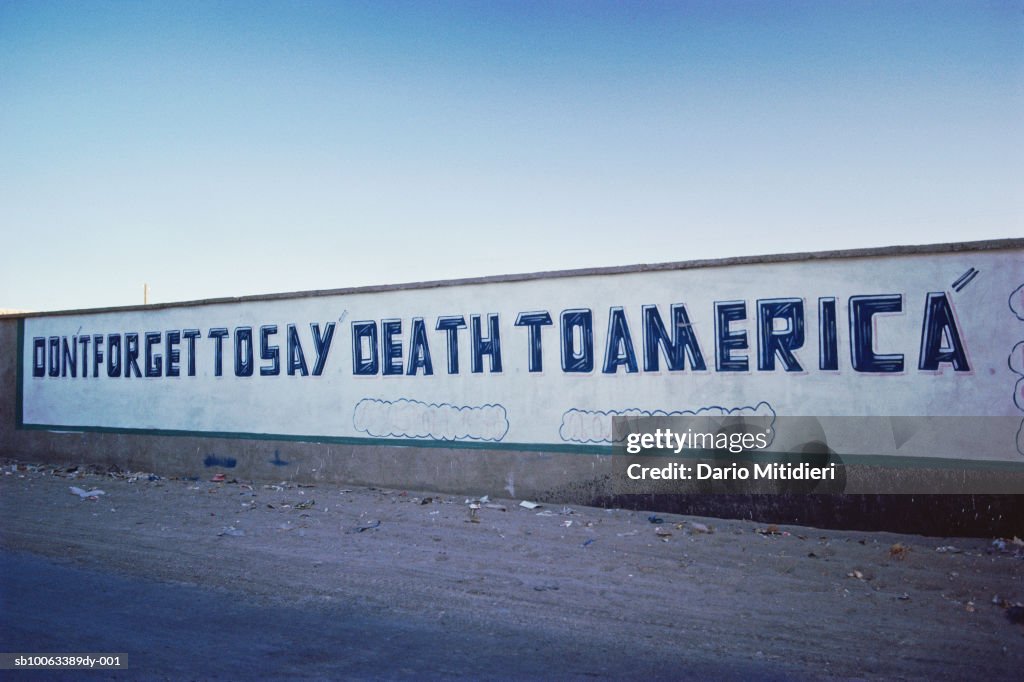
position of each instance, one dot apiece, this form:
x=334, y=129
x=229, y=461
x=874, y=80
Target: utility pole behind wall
x=145, y=294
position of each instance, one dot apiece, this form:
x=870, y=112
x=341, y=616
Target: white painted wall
x=558, y=408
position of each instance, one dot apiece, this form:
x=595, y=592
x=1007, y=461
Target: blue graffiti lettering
x=172, y=338
x=190, y=341
x=113, y=355
x=365, y=361
x=940, y=338
x=322, y=345
x=481, y=345
x=577, y=357
x=269, y=353
x=154, y=361
x=84, y=341
x=534, y=321
x=828, y=341
x=392, y=347
x=218, y=334
x=131, y=355
x=451, y=324
x=224, y=462
x=97, y=354
x=727, y=341
x=243, y=352
x=296, y=357
x=863, y=309
x=773, y=342
x=618, y=349
x=419, y=350
x=681, y=345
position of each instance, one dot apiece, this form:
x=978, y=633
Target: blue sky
x=232, y=148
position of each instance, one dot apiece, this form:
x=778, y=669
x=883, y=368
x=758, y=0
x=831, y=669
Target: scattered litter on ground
x=1014, y=547
x=655, y=519
x=86, y=494
x=369, y=526
x=132, y=477
x=539, y=556
x=218, y=478
x=899, y=551
x=1004, y=603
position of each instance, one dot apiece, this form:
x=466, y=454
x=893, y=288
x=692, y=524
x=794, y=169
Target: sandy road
x=559, y=593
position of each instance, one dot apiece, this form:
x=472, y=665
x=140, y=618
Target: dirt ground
x=683, y=597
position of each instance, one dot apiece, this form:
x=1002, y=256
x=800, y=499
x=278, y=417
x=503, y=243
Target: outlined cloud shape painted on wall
x=1020, y=436
x=595, y=426
x=1016, y=361
x=408, y=418
x=1017, y=302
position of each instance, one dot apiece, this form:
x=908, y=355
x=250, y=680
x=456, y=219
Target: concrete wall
x=905, y=332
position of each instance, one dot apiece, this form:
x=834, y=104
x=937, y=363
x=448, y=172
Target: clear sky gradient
x=232, y=148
